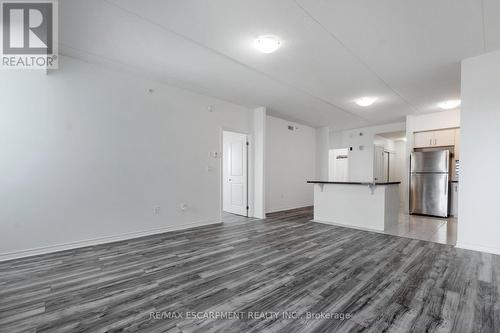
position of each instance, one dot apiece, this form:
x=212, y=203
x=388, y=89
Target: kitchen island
x=362, y=205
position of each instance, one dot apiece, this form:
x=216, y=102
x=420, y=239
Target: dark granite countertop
x=351, y=183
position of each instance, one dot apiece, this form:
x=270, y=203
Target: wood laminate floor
x=232, y=218
x=284, y=264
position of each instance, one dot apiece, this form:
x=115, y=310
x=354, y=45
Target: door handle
x=445, y=186
x=229, y=179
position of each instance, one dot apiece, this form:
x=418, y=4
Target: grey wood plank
x=284, y=263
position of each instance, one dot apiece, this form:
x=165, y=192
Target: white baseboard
x=480, y=248
x=276, y=210
x=101, y=240
x=348, y=226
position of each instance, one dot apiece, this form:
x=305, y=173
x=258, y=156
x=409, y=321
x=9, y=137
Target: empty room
x=249, y=166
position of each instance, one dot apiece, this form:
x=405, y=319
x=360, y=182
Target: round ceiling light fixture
x=365, y=101
x=451, y=104
x=267, y=43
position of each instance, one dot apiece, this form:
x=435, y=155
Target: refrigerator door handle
x=446, y=186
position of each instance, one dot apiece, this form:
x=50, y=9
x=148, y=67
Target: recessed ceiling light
x=365, y=101
x=451, y=104
x=267, y=44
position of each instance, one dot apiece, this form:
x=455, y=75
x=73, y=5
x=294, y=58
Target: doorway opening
x=234, y=176
x=384, y=165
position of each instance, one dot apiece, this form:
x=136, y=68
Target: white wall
x=479, y=219
x=434, y=121
x=361, y=160
x=290, y=162
x=322, y=152
x=388, y=144
x=88, y=153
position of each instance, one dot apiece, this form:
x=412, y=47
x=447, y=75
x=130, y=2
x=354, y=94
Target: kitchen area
x=399, y=179
x=433, y=185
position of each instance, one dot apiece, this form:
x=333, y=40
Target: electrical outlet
x=183, y=207
x=156, y=210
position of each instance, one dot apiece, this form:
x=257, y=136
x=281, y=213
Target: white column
x=479, y=183
x=405, y=180
x=259, y=132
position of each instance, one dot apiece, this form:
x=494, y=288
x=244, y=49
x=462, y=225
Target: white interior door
x=385, y=176
x=378, y=164
x=235, y=170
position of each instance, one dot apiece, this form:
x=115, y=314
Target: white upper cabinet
x=441, y=138
x=444, y=138
x=424, y=139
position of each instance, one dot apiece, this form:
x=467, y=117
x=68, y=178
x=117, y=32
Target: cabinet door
x=444, y=138
x=424, y=139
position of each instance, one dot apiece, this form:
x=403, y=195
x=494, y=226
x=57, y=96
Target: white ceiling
x=407, y=53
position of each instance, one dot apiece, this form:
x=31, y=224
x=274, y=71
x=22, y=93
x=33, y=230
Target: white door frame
x=250, y=170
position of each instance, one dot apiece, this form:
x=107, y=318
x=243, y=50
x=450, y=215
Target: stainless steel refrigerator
x=429, y=182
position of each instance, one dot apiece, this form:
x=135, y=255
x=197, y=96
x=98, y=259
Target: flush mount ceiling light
x=451, y=104
x=267, y=43
x=365, y=101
